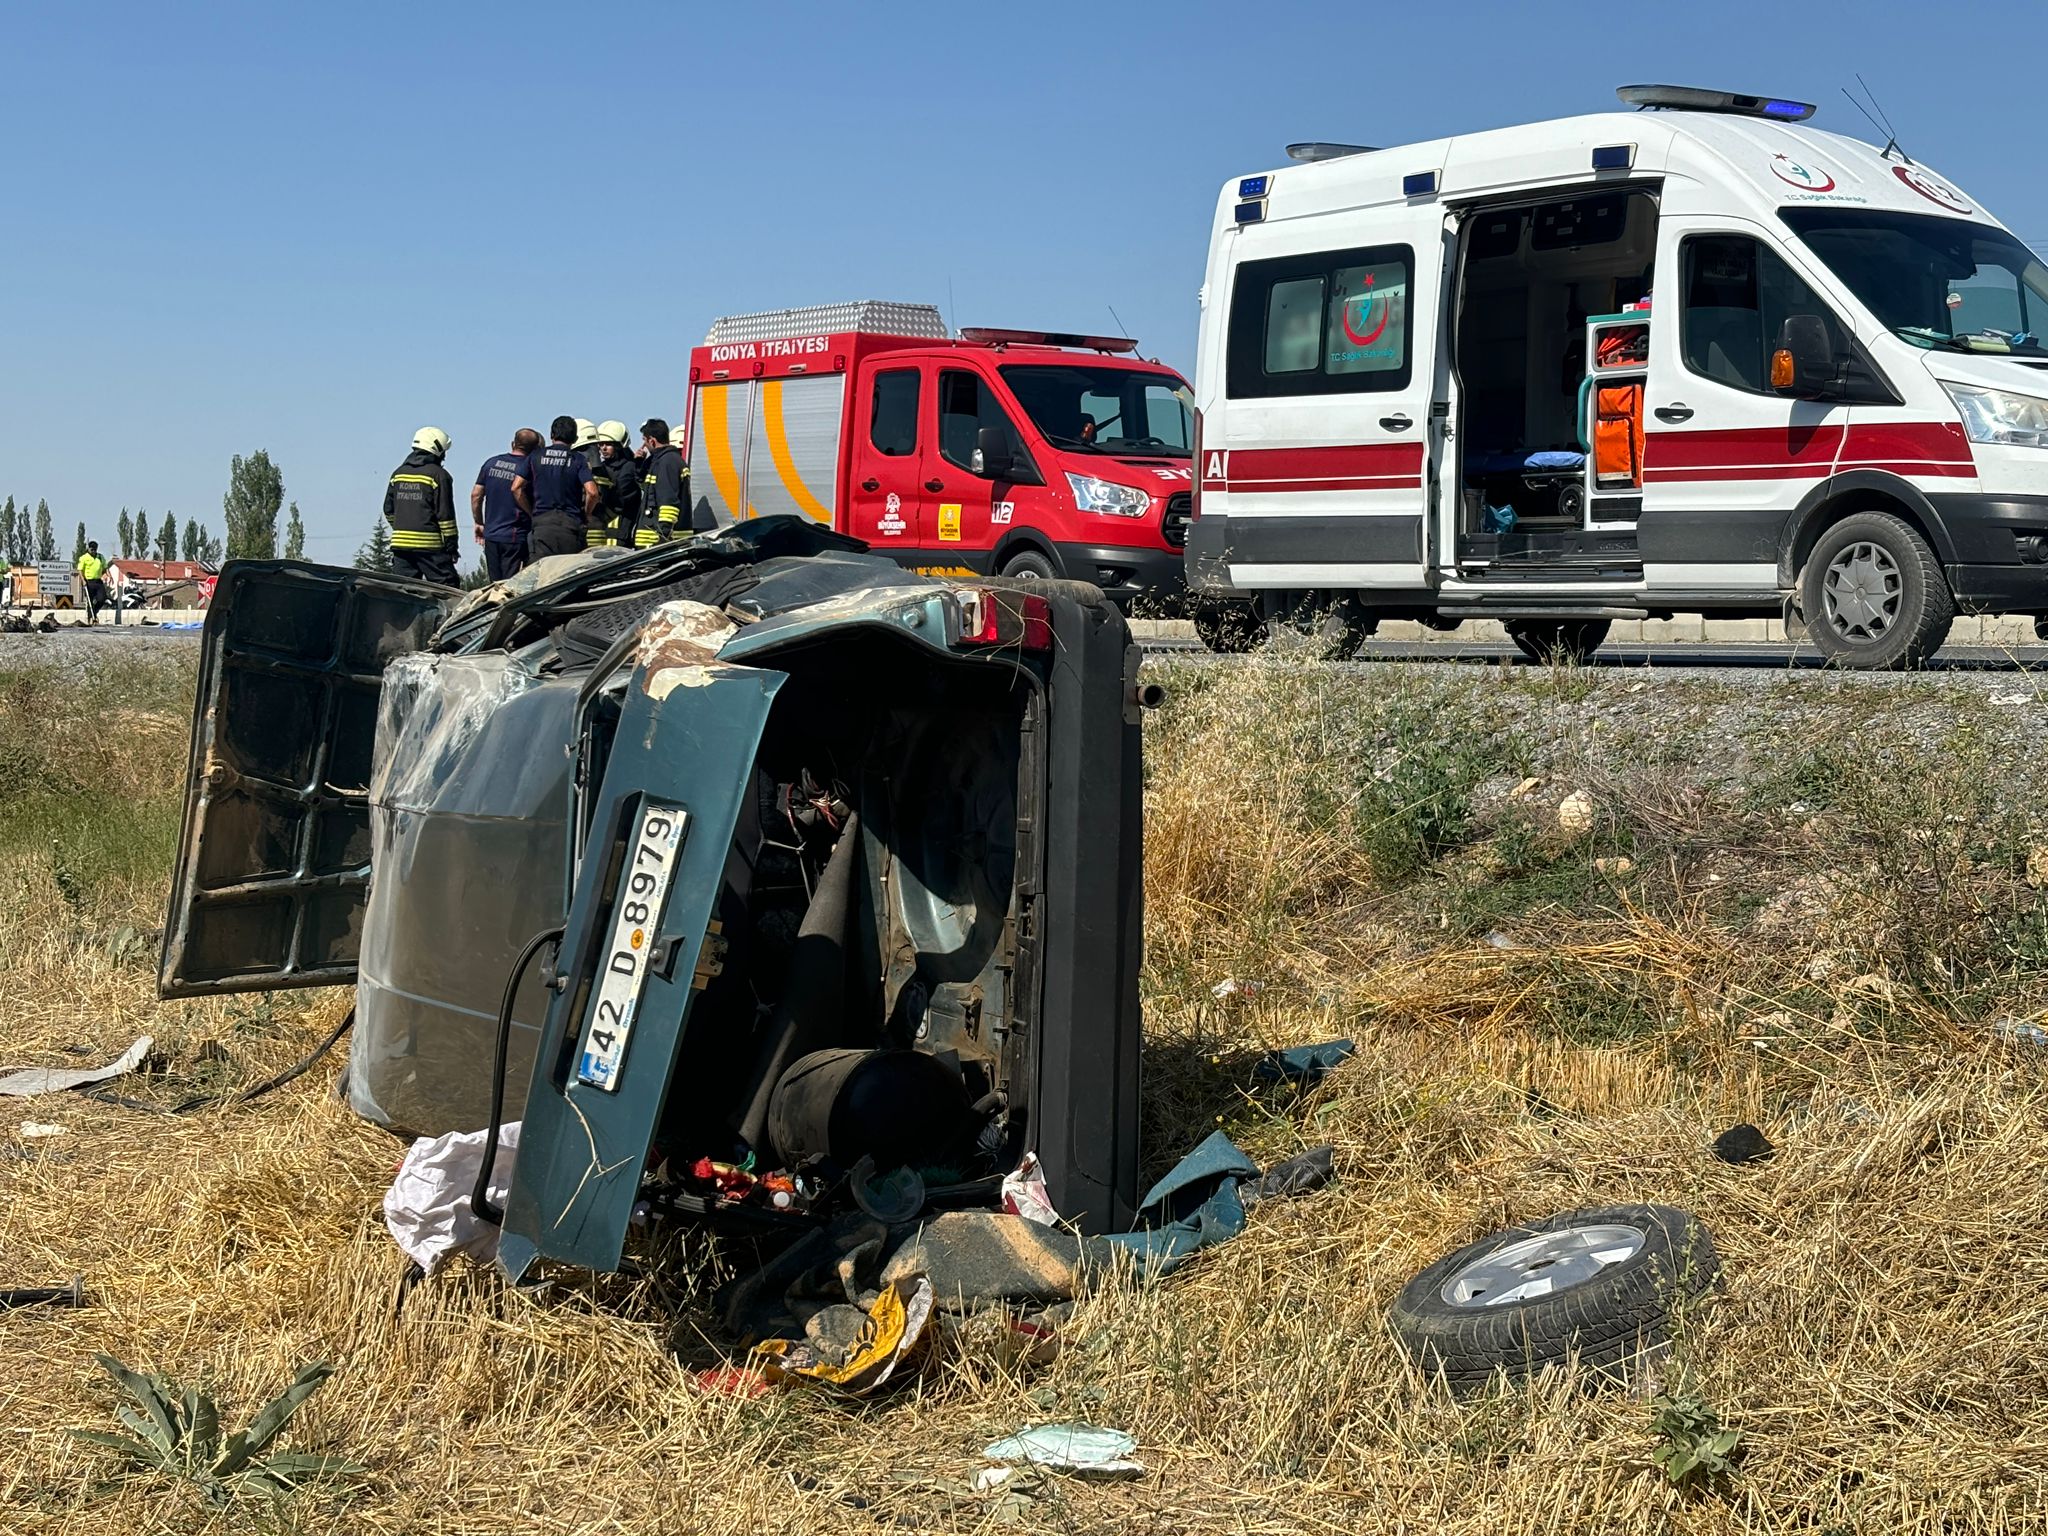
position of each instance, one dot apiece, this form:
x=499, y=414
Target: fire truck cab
x=1696, y=358
x=1028, y=454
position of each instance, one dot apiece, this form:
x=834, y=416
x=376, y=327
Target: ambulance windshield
x=1936, y=282
x=1091, y=409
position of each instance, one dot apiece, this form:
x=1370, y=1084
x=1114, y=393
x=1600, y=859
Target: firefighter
x=618, y=484
x=419, y=504
x=563, y=491
x=664, y=486
x=92, y=570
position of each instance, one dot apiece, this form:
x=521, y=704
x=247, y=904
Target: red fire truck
x=1021, y=453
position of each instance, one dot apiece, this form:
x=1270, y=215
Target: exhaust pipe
x=1149, y=695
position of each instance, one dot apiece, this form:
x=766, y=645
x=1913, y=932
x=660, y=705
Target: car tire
x=1874, y=596
x=1229, y=628
x=1601, y=1285
x=1030, y=565
x=1332, y=625
x=1545, y=640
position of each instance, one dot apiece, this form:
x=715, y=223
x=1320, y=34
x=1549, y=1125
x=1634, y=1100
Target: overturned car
x=736, y=870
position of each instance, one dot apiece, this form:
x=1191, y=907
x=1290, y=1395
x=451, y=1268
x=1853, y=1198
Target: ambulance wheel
x=1570, y=640
x=1874, y=596
x=1331, y=625
x=1029, y=565
x=1229, y=628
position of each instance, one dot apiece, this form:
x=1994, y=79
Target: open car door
x=274, y=860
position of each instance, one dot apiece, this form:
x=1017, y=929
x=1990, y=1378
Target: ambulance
x=1694, y=358
x=1029, y=454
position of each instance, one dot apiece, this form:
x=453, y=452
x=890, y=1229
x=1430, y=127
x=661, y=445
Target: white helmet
x=586, y=434
x=612, y=432
x=431, y=440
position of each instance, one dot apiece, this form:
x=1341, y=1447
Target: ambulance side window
x=892, y=426
x=1737, y=292
x=1325, y=323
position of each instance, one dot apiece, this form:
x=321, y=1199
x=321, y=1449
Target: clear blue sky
x=313, y=229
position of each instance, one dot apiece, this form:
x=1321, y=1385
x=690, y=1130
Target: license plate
x=644, y=877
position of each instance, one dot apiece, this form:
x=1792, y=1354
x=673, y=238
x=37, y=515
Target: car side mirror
x=1803, y=365
x=993, y=459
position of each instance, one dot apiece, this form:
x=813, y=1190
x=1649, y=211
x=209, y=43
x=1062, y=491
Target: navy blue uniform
x=505, y=526
x=557, y=474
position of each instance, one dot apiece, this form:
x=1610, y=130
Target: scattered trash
x=1085, y=1449
x=1526, y=788
x=1195, y=1206
x=1304, y=1063
x=1822, y=966
x=1232, y=987
x=1024, y=1193
x=32, y=1130
x=72, y=1295
x=2018, y=1032
x=427, y=1206
x=1575, y=812
x=864, y=1356
x=1743, y=1144
x=2011, y=698
x=27, y=1082
x=1300, y=1175
x=1498, y=940
x=732, y=1381
x=1614, y=867
x=892, y=1198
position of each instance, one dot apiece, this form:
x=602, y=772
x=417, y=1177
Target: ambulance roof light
x=1690, y=98
x=985, y=336
x=1316, y=149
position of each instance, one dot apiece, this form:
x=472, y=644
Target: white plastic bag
x=427, y=1205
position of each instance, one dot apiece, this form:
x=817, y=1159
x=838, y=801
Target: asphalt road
x=1711, y=655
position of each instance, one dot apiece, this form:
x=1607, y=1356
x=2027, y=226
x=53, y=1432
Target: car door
x=1726, y=459
x=886, y=496
x=273, y=866
x=958, y=530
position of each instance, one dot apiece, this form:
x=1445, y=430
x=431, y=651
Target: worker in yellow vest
x=92, y=570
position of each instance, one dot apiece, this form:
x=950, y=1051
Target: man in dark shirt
x=664, y=486
x=504, y=518
x=564, y=496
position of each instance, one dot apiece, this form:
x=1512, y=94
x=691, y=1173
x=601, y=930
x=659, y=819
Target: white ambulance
x=1692, y=358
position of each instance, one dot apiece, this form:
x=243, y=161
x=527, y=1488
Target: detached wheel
x=1602, y=1284
x=1229, y=628
x=1331, y=625
x=1029, y=565
x=1571, y=640
x=1874, y=596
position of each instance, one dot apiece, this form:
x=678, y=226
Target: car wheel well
x=1847, y=505
x=1015, y=542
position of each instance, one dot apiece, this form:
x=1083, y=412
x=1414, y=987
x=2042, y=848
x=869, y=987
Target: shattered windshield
x=1091, y=409
x=1936, y=282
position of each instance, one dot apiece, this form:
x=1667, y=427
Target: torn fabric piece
x=1304, y=1063
x=27, y=1082
x=1195, y=1206
x=427, y=1206
x=863, y=1361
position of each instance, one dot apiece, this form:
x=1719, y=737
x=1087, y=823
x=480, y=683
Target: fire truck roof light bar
x=1690, y=98
x=987, y=337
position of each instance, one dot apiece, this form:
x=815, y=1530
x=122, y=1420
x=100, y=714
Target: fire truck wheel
x=1229, y=629
x=1571, y=640
x=1874, y=596
x=1029, y=565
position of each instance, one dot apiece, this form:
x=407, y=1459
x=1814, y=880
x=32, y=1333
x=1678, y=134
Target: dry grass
x=1345, y=838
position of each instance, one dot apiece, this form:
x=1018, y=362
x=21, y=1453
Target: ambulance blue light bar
x=1690, y=98
x=1613, y=157
x=1420, y=184
x=1253, y=186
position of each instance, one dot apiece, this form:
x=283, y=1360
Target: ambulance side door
x=885, y=479
x=1726, y=458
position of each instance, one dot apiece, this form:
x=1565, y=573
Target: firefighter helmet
x=586, y=434
x=612, y=432
x=431, y=440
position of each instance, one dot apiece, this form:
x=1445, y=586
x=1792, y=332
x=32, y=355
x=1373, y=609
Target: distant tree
x=78, y=544
x=255, y=492
x=167, y=538
x=21, y=536
x=211, y=550
x=375, y=555
x=193, y=534
x=7, y=531
x=126, y=539
x=294, y=535
x=46, y=535
x=142, y=534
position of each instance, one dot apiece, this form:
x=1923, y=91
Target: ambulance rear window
x=1328, y=322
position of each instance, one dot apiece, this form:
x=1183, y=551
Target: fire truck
x=1029, y=454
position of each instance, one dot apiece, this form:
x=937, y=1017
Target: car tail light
x=1195, y=490
x=990, y=618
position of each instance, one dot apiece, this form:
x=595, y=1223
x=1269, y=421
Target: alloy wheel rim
x=1541, y=1266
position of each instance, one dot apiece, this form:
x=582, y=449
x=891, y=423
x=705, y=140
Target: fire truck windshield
x=1935, y=281
x=1092, y=409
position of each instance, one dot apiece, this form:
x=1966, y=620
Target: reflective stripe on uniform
x=411, y=538
x=645, y=538
x=669, y=515
x=415, y=479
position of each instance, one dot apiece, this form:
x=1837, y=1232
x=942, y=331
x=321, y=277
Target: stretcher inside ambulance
x=1699, y=358
x=1028, y=454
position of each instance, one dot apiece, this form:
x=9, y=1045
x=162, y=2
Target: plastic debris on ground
x=33, y=1130
x=1084, y=1449
x=893, y=1197
x=1231, y=987
x=1743, y=1144
x=427, y=1206
x=2017, y=1032
x=27, y=1082
x=72, y=1295
x=1304, y=1063
x=1024, y=1193
x=856, y=1353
